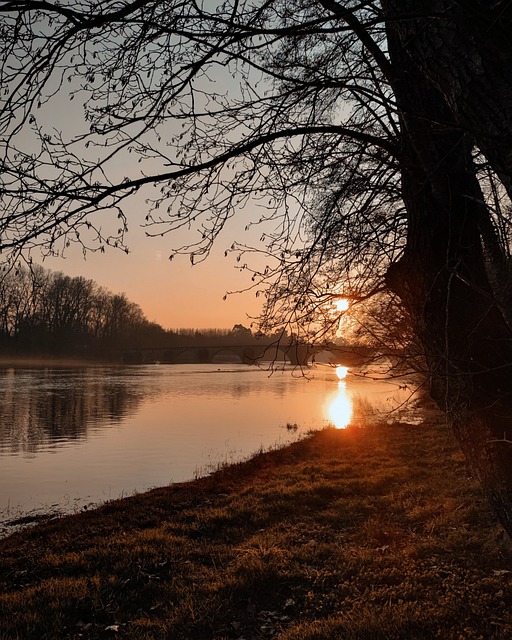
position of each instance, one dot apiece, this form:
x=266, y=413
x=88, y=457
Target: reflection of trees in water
x=44, y=406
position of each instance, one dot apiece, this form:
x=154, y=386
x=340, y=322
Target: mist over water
x=78, y=435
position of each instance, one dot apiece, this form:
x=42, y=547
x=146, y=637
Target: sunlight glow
x=342, y=304
x=341, y=372
x=340, y=409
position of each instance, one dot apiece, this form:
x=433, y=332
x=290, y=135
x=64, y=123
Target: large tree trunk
x=464, y=50
x=444, y=278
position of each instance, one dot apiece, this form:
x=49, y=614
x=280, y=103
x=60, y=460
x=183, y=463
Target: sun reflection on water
x=340, y=408
x=341, y=372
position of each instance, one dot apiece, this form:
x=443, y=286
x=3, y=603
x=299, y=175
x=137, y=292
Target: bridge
x=297, y=354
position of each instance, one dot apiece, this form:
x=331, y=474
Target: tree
x=44, y=312
x=374, y=135
x=454, y=274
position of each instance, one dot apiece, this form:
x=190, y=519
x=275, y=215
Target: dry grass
x=363, y=534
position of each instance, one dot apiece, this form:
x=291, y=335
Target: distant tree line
x=239, y=334
x=43, y=312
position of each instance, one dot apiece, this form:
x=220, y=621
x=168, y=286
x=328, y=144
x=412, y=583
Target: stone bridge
x=297, y=354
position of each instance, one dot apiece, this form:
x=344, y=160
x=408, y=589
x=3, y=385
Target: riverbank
x=349, y=534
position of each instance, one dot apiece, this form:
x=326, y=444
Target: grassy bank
x=359, y=534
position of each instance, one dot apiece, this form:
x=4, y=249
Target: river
x=75, y=436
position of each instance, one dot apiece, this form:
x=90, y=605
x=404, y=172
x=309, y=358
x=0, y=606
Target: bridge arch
x=226, y=354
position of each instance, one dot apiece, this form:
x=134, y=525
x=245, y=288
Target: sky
x=174, y=293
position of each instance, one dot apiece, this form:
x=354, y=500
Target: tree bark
x=463, y=49
x=444, y=277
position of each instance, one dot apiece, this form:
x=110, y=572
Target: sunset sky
x=174, y=294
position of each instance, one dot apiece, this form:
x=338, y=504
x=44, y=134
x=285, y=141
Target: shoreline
x=363, y=533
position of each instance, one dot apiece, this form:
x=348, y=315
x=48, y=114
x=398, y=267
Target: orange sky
x=174, y=294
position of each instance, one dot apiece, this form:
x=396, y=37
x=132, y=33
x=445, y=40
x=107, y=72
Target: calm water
x=74, y=436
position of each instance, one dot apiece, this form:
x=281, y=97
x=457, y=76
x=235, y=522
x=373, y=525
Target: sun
x=342, y=304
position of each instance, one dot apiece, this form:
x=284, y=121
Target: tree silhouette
x=375, y=136
x=48, y=313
